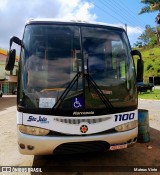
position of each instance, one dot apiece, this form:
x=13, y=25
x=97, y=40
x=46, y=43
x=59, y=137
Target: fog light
x=22, y=146
x=30, y=147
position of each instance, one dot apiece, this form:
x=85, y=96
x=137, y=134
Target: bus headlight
x=127, y=126
x=32, y=130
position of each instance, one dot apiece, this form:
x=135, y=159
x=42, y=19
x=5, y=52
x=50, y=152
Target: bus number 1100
x=124, y=117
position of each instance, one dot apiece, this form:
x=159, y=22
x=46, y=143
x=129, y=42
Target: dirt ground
x=98, y=163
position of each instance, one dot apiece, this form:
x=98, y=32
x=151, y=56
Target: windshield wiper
x=68, y=88
x=91, y=83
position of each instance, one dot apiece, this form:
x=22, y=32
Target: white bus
x=76, y=88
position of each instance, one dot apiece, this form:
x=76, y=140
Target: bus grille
x=54, y=133
x=78, y=121
x=82, y=147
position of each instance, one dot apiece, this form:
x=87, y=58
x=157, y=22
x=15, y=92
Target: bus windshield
x=76, y=68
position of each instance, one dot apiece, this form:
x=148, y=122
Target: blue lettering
x=42, y=120
x=120, y=117
x=131, y=116
x=116, y=118
x=124, y=117
x=31, y=118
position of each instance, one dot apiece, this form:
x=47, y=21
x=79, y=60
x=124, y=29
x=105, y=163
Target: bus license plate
x=114, y=147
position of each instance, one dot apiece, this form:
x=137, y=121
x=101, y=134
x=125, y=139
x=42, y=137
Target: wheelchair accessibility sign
x=77, y=102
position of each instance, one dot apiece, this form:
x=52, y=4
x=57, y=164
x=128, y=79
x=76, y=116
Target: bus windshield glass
x=76, y=67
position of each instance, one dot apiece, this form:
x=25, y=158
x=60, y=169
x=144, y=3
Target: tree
x=148, y=36
x=137, y=44
x=152, y=6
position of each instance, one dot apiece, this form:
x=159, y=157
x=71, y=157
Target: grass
x=151, y=58
x=153, y=95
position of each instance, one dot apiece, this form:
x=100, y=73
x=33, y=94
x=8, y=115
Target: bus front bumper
x=43, y=145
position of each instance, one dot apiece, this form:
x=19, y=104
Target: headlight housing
x=32, y=130
x=127, y=126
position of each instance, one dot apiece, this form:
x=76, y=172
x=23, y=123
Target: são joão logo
x=39, y=119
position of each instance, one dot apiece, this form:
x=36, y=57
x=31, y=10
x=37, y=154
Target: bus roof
x=55, y=20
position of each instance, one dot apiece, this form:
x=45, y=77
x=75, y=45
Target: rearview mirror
x=10, y=60
x=11, y=55
x=140, y=65
x=140, y=70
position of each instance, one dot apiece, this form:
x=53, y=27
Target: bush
x=149, y=67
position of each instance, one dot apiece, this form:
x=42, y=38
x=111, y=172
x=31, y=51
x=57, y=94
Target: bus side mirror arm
x=11, y=54
x=136, y=52
x=15, y=40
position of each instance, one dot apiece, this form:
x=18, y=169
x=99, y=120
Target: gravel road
x=153, y=106
x=139, y=155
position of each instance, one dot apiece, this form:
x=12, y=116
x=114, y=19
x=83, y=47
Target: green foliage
x=153, y=41
x=137, y=44
x=150, y=6
x=148, y=36
x=151, y=57
x=149, y=67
